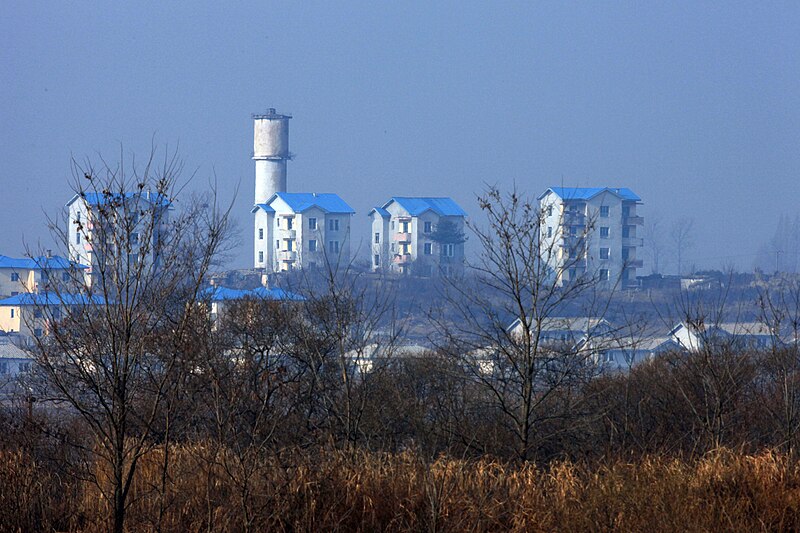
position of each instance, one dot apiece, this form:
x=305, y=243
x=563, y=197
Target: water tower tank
x=270, y=152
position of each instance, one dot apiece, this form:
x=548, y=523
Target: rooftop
x=48, y=298
x=303, y=201
x=99, y=198
x=223, y=294
x=587, y=193
x=415, y=206
x=41, y=262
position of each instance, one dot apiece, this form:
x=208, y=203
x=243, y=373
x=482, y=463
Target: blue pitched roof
x=381, y=211
x=265, y=207
x=222, y=294
x=587, y=193
x=49, y=298
x=35, y=263
x=302, y=201
x=418, y=205
x=97, y=198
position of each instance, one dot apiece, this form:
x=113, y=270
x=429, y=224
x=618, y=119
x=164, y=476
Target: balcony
x=287, y=233
x=401, y=259
x=574, y=218
x=634, y=263
x=402, y=237
x=634, y=220
x=287, y=255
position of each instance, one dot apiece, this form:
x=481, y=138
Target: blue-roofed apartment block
x=419, y=235
x=137, y=218
x=301, y=230
x=592, y=232
x=30, y=274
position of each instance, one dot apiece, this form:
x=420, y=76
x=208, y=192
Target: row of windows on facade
x=45, y=277
x=448, y=250
x=5, y=367
x=405, y=226
x=605, y=231
x=605, y=211
x=605, y=253
x=333, y=225
x=333, y=247
x=134, y=238
x=603, y=274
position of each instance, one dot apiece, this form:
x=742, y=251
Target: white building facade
x=420, y=235
x=301, y=230
x=592, y=232
x=100, y=224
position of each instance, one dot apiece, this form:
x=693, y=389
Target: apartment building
x=30, y=274
x=100, y=224
x=301, y=230
x=592, y=231
x=29, y=314
x=422, y=235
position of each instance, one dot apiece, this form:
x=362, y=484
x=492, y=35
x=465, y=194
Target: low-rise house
x=14, y=360
x=29, y=313
x=736, y=335
x=301, y=230
x=423, y=235
x=31, y=274
x=220, y=298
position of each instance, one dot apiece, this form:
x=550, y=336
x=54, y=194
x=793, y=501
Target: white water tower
x=270, y=152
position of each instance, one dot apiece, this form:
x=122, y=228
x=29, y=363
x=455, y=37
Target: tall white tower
x=270, y=152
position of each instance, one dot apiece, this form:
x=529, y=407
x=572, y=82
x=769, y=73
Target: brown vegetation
x=362, y=491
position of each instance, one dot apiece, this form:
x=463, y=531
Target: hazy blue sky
x=695, y=106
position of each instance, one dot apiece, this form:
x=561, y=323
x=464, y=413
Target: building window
x=37, y=332
x=604, y=232
x=312, y=223
x=549, y=231
x=404, y=226
x=65, y=276
x=603, y=274
x=14, y=276
x=626, y=210
x=376, y=260
x=134, y=238
x=312, y=245
x=260, y=257
x=391, y=225
x=12, y=313
x=405, y=248
x=448, y=250
x=45, y=275
x=626, y=232
x=289, y=245
x=14, y=293
x=57, y=313
x=428, y=227
x=549, y=210
x=604, y=211
x=260, y=234
x=428, y=248
x=26, y=367
x=333, y=247
x=77, y=237
x=3, y=367
x=333, y=224
x=37, y=313
x=277, y=244
x=289, y=222
x=604, y=253
x=626, y=252
x=377, y=238
x=573, y=231
x=393, y=247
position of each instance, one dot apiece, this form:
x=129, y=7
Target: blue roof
x=97, y=198
x=265, y=207
x=381, y=211
x=222, y=294
x=36, y=263
x=302, y=201
x=49, y=298
x=587, y=193
x=416, y=206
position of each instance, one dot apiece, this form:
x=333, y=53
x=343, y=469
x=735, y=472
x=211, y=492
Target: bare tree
x=654, y=244
x=681, y=235
x=529, y=382
x=116, y=345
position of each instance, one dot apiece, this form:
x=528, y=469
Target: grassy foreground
x=209, y=489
